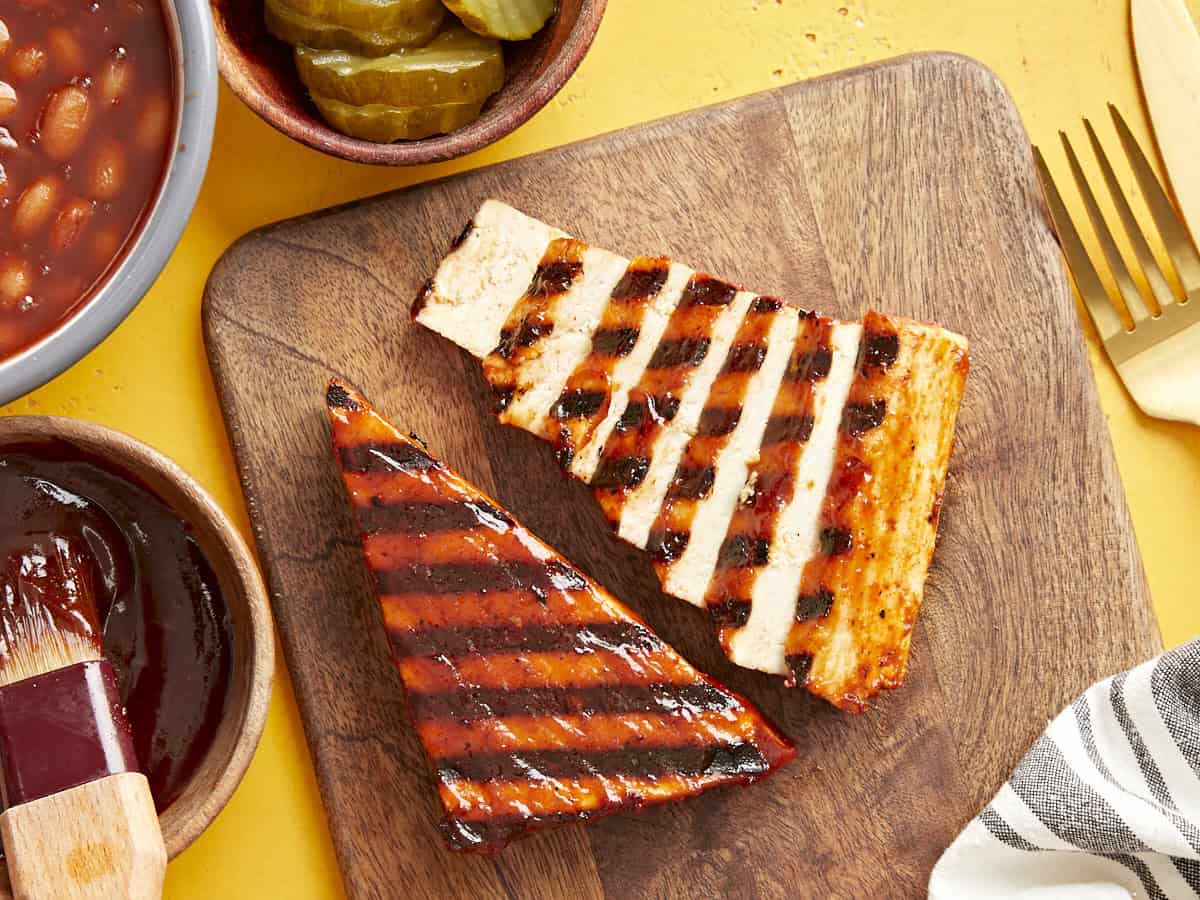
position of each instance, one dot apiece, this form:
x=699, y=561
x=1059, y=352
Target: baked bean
x=64, y=122
x=8, y=100
x=114, y=78
x=154, y=124
x=5, y=39
x=69, y=224
x=105, y=245
x=3, y=182
x=27, y=63
x=35, y=206
x=65, y=52
x=16, y=280
x=108, y=171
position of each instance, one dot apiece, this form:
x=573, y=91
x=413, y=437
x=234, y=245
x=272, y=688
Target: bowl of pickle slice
x=400, y=82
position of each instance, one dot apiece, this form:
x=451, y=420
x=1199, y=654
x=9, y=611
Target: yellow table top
x=1060, y=61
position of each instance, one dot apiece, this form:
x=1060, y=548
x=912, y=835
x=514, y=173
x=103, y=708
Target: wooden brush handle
x=97, y=840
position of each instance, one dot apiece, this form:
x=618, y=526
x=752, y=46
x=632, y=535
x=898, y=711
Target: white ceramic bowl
x=189, y=23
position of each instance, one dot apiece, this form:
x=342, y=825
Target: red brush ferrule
x=61, y=730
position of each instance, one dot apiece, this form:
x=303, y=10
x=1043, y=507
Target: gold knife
x=1167, y=44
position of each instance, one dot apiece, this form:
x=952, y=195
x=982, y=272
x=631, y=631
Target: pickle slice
x=456, y=67
x=508, y=20
x=371, y=15
x=383, y=124
x=296, y=28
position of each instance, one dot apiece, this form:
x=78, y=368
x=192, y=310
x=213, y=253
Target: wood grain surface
x=907, y=186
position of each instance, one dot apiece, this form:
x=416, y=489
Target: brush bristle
x=47, y=611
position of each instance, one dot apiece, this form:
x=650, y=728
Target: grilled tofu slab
x=784, y=470
x=539, y=698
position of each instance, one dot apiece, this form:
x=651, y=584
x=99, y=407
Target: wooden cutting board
x=906, y=185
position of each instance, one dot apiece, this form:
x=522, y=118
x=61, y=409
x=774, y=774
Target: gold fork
x=1158, y=359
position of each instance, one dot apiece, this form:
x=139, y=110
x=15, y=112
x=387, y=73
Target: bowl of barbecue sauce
x=181, y=605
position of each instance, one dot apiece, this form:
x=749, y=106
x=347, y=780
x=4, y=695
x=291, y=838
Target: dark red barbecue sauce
x=165, y=624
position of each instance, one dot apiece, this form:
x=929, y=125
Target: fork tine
x=1175, y=237
x=1087, y=280
x=1154, y=275
x=1116, y=263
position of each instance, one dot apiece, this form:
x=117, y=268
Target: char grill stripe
x=640, y=283
x=672, y=352
x=385, y=457
x=385, y=516
x=479, y=578
x=614, y=341
x=691, y=482
x=530, y=638
x=787, y=428
x=745, y=357
x=704, y=290
x=718, y=421
x=717, y=760
x=578, y=404
x=473, y=704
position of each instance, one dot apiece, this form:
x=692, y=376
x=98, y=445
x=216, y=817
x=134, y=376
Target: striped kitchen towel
x=1105, y=804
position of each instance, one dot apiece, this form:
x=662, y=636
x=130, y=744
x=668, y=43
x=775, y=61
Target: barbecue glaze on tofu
x=721, y=431
x=538, y=697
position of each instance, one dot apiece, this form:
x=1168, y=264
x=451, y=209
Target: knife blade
x=1167, y=45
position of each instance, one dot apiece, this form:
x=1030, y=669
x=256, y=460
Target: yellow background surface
x=1060, y=60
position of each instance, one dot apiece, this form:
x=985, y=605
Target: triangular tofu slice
x=539, y=698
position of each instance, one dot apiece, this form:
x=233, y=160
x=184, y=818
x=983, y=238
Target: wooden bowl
x=260, y=70
x=218, y=775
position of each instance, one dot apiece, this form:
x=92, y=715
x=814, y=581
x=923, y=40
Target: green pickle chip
x=509, y=20
x=456, y=67
x=373, y=15
x=383, y=123
x=297, y=28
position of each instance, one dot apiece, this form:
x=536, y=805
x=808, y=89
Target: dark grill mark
x=647, y=762
x=836, y=541
x=879, y=351
x=814, y=606
x=374, y=457
x=717, y=421
x=652, y=409
x=731, y=613
x=859, y=418
x=532, y=330
x=479, y=578
x=615, y=341
x=746, y=357
x=812, y=366
x=578, y=404
x=679, y=352
x=666, y=546
x=554, y=278
x=462, y=236
x=799, y=664
x=787, y=428
x=487, y=640
x=472, y=704
x=704, y=290
x=640, y=283
x=740, y=551
x=692, y=482
x=384, y=517
x=766, y=305
x=337, y=397
x=621, y=473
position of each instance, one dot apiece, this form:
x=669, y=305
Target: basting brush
x=79, y=819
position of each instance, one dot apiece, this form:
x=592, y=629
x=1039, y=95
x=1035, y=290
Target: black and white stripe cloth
x=1105, y=804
